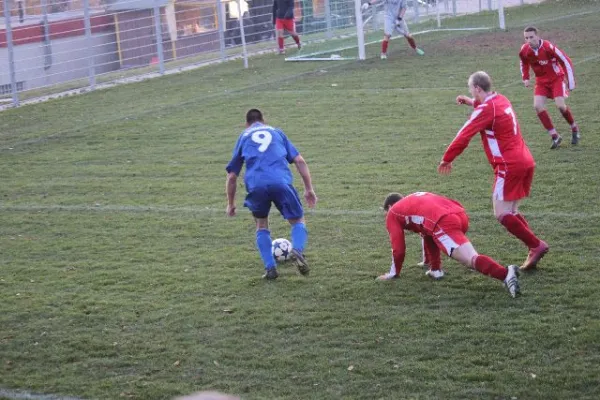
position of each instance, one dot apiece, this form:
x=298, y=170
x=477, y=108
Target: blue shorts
x=285, y=198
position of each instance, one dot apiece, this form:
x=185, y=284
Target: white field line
x=22, y=394
x=309, y=56
x=211, y=210
x=150, y=75
x=195, y=100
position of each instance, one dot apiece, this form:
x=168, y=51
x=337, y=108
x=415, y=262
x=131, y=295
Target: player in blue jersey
x=267, y=151
x=394, y=21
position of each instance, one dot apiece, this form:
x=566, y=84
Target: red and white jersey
x=418, y=212
x=548, y=62
x=500, y=133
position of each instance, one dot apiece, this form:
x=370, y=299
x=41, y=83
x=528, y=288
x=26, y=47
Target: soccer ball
x=282, y=249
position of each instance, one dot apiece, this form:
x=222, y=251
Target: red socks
x=488, y=266
x=521, y=230
x=411, y=43
x=568, y=116
x=522, y=219
x=546, y=121
x=296, y=39
x=384, y=46
x=280, y=43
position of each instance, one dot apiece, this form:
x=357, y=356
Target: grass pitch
x=121, y=277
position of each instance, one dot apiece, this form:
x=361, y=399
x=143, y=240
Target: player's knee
x=500, y=215
x=472, y=261
x=262, y=224
x=539, y=108
x=294, y=221
x=464, y=253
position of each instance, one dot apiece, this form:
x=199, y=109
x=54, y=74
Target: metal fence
x=48, y=46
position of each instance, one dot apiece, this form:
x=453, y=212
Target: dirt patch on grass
x=489, y=43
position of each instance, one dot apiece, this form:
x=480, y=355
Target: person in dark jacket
x=283, y=18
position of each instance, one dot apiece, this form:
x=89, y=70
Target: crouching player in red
x=442, y=223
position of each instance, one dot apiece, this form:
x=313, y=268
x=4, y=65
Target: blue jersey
x=267, y=153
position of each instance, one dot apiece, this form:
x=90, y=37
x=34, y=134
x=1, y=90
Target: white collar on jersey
x=491, y=96
x=540, y=44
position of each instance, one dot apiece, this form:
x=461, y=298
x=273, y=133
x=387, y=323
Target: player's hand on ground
x=310, y=197
x=462, y=99
x=445, y=168
x=230, y=210
x=365, y=6
x=526, y=83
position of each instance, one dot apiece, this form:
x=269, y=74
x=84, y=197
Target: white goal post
x=350, y=39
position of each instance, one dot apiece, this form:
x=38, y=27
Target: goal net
x=340, y=30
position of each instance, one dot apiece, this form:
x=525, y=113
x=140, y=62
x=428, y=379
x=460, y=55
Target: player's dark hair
x=254, y=115
x=390, y=200
x=531, y=28
x=482, y=80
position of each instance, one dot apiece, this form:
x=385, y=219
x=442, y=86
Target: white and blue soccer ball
x=282, y=249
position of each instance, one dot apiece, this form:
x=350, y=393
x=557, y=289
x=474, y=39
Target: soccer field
x=121, y=277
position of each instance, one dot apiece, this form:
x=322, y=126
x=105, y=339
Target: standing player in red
x=554, y=77
x=508, y=155
x=442, y=223
x=283, y=18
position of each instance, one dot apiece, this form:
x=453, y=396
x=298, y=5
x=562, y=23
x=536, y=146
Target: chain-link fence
x=50, y=46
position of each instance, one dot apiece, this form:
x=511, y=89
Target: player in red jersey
x=508, y=155
x=442, y=223
x=554, y=77
x=283, y=19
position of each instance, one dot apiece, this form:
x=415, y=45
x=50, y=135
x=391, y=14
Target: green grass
x=120, y=276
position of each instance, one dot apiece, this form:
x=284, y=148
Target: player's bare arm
x=397, y=241
x=230, y=188
x=309, y=192
x=462, y=99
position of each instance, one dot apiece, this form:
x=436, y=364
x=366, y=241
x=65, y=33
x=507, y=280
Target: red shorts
x=551, y=90
x=287, y=24
x=514, y=185
x=450, y=232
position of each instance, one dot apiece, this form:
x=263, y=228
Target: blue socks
x=263, y=242
x=299, y=236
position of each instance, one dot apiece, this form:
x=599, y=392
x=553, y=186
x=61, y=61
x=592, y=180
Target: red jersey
x=548, y=62
x=500, y=133
x=418, y=212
